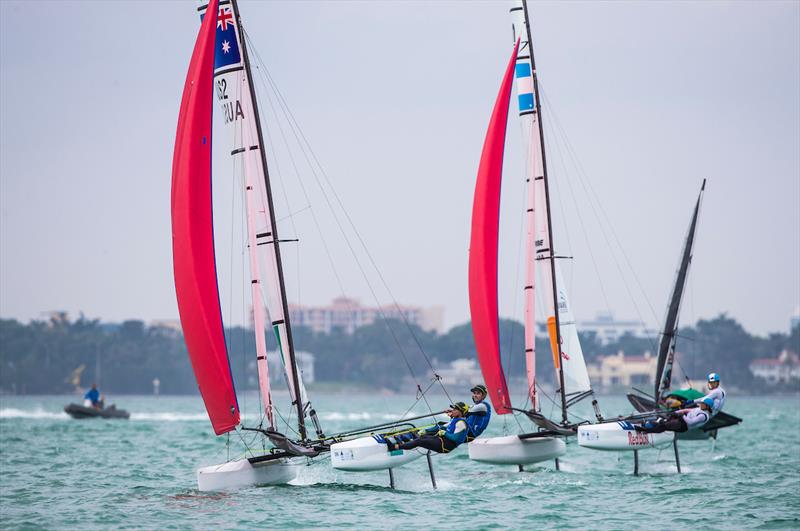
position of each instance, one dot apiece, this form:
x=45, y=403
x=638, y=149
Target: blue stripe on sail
x=525, y=102
x=523, y=70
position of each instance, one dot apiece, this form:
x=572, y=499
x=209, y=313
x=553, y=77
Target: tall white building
x=609, y=330
x=348, y=314
x=783, y=369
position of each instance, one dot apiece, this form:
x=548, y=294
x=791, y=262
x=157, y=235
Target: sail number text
x=232, y=110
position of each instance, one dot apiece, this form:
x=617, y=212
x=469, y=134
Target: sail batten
x=483, y=251
x=193, y=252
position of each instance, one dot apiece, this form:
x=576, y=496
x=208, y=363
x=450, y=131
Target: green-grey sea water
x=61, y=473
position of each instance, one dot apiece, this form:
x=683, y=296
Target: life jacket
x=452, y=436
x=478, y=423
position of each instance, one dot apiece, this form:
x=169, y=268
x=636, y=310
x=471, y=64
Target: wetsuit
x=693, y=418
x=454, y=435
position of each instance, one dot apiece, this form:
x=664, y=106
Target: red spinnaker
x=193, y=236
x=483, y=248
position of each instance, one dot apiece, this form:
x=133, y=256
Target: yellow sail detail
x=551, y=330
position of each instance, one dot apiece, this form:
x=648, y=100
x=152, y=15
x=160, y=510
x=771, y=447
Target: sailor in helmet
x=441, y=440
x=715, y=393
x=695, y=413
x=479, y=413
x=681, y=420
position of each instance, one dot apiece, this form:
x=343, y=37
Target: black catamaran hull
x=644, y=404
x=82, y=412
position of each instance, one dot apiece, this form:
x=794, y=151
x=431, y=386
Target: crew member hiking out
x=681, y=420
x=479, y=414
x=441, y=440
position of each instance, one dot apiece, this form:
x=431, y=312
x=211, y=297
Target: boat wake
x=38, y=413
x=168, y=416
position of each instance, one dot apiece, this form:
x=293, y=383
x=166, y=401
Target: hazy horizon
x=395, y=98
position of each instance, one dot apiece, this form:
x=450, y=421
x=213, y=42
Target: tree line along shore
x=52, y=356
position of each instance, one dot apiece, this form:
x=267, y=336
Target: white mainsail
x=569, y=355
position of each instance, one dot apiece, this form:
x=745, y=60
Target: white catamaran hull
x=242, y=473
x=620, y=436
x=511, y=450
x=365, y=454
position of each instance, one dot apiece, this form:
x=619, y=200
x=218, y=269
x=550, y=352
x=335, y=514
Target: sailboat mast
x=301, y=426
x=549, y=219
x=666, y=349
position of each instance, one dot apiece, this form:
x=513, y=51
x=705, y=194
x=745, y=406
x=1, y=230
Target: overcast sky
x=394, y=98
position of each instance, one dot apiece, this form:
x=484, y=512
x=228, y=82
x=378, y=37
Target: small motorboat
x=78, y=411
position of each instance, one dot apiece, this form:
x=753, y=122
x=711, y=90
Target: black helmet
x=480, y=388
x=460, y=406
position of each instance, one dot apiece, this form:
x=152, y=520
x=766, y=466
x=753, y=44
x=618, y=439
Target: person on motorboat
x=440, y=440
x=479, y=414
x=681, y=420
x=92, y=398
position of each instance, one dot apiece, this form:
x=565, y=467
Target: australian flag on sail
x=227, y=45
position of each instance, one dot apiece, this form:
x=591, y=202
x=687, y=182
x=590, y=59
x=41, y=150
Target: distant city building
x=621, y=370
x=305, y=361
x=171, y=324
x=794, y=320
x=348, y=314
x=783, y=369
x=609, y=330
x=463, y=372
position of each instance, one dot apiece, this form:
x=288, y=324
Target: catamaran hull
x=242, y=473
x=365, y=454
x=511, y=450
x=620, y=437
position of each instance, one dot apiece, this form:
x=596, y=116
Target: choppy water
x=57, y=473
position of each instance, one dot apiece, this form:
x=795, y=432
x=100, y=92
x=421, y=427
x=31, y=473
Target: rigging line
x=297, y=130
x=295, y=213
x=577, y=211
x=286, y=421
x=557, y=191
x=277, y=170
x=584, y=182
x=553, y=403
x=384, y=318
x=241, y=438
x=416, y=401
x=264, y=73
x=317, y=224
